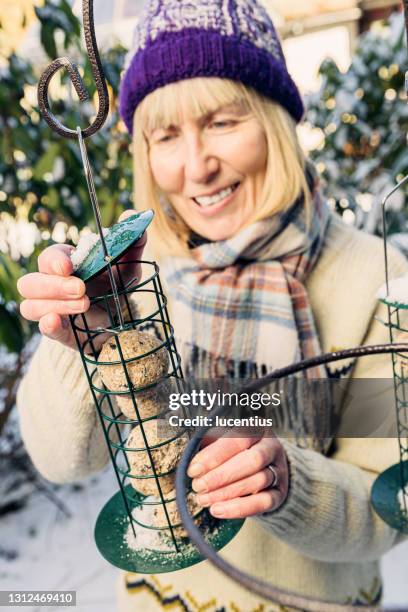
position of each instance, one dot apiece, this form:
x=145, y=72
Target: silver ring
x=274, y=483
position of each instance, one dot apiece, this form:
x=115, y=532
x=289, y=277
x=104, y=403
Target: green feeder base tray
x=384, y=497
x=119, y=238
x=112, y=525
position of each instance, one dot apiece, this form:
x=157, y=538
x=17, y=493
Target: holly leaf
x=48, y=40
x=46, y=162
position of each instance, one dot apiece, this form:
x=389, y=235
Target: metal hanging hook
x=80, y=134
x=97, y=72
x=97, y=214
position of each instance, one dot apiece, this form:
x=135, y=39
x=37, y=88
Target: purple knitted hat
x=183, y=39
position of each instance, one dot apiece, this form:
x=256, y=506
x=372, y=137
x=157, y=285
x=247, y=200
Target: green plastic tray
x=111, y=527
x=384, y=497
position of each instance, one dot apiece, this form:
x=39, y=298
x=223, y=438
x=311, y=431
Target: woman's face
x=211, y=169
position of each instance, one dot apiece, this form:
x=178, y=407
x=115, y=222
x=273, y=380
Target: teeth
x=210, y=200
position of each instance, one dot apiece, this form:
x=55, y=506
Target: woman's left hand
x=232, y=477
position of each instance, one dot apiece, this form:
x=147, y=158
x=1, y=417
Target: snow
x=403, y=499
x=17, y=237
x=86, y=243
x=145, y=537
x=398, y=291
x=43, y=549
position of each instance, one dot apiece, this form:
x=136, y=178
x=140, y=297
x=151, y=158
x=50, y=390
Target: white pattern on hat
x=243, y=18
x=256, y=25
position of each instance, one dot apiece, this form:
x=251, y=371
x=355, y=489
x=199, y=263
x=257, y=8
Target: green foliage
x=12, y=328
x=55, y=18
x=41, y=175
x=363, y=116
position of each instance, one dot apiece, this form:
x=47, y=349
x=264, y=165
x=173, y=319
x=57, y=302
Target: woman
x=260, y=274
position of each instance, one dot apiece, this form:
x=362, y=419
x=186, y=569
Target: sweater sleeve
x=59, y=422
x=328, y=514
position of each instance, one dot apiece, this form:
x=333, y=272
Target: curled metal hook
x=97, y=71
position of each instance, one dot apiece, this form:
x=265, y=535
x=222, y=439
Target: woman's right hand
x=53, y=293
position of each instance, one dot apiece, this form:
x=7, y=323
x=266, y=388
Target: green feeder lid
x=396, y=294
x=119, y=239
x=394, y=303
x=110, y=536
x=385, y=496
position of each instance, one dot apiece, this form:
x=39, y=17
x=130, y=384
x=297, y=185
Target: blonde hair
x=285, y=178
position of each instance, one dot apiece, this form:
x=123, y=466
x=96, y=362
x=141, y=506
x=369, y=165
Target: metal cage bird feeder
x=390, y=490
x=130, y=362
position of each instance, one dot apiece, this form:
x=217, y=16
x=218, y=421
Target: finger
x=48, y=286
x=246, y=486
x=212, y=436
x=217, y=453
x=242, y=507
x=55, y=260
x=245, y=463
x=57, y=328
x=34, y=310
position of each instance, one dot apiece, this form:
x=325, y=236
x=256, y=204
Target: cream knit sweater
x=326, y=540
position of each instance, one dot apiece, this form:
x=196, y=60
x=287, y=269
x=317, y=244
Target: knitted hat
x=183, y=39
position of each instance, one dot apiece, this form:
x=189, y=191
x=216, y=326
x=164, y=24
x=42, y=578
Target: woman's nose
x=201, y=164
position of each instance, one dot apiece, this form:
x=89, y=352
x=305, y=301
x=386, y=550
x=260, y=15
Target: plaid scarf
x=240, y=310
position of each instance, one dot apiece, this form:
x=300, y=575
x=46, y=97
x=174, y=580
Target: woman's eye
x=165, y=138
x=222, y=124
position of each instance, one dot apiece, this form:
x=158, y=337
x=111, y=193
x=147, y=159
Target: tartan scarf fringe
x=308, y=429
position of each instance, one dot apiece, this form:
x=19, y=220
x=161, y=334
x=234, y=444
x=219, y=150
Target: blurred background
x=348, y=58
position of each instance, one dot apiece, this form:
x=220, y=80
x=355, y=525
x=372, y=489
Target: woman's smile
x=212, y=204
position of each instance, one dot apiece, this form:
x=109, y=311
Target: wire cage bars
x=397, y=327
x=132, y=364
x=108, y=398
x=390, y=491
